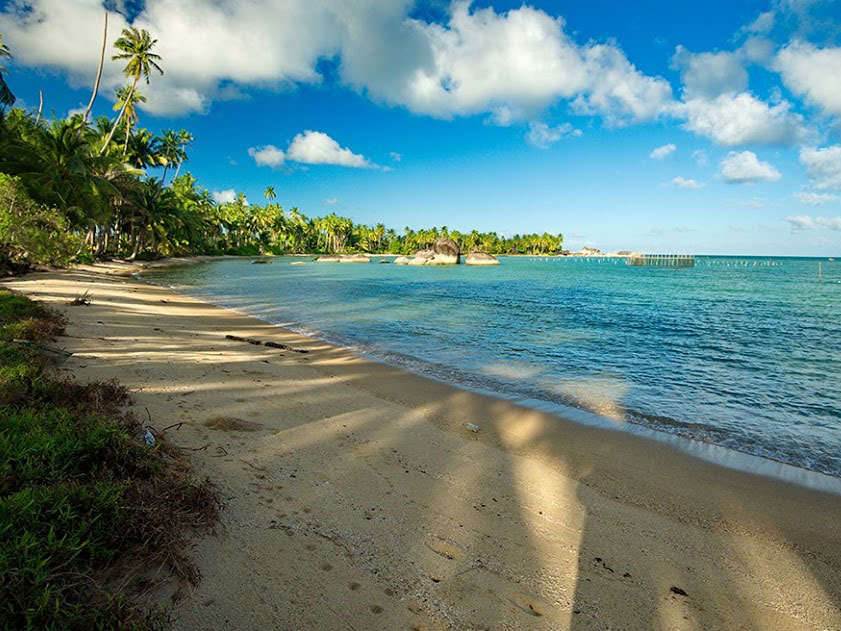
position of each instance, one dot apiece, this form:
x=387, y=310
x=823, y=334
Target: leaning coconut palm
x=6, y=96
x=170, y=150
x=137, y=48
x=185, y=139
x=127, y=101
x=99, y=70
x=269, y=193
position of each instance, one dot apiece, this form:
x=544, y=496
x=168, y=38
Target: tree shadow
x=359, y=498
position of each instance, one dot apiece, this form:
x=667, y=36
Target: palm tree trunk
x=128, y=134
x=120, y=115
x=163, y=177
x=40, y=106
x=177, y=169
x=99, y=71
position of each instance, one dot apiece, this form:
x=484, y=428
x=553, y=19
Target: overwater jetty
x=661, y=260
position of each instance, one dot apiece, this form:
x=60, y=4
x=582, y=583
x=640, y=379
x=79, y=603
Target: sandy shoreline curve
x=356, y=497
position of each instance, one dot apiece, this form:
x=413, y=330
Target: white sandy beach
x=355, y=498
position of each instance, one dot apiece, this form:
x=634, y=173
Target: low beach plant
x=87, y=507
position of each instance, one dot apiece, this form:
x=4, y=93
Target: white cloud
x=707, y=75
x=683, y=182
x=814, y=73
x=745, y=168
x=762, y=24
x=269, y=156
x=816, y=199
x=315, y=147
x=700, y=157
x=620, y=92
x=753, y=202
x=805, y=222
x=330, y=201
x=542, y=135
x=226, y=196
x=740, y=119
x=310, y=147
x=510, y=64
x=396, y=156
x=800, y=222
x=833, y=223
x=823, y=166
x=661, y=152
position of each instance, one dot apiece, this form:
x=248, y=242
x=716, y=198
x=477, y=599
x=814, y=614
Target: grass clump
x=86, y=507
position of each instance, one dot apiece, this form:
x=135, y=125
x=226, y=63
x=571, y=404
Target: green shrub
x=31, y=234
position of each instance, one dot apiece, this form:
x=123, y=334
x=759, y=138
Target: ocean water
x=739, y=352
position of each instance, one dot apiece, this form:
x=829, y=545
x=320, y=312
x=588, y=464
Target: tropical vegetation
x=74, y=189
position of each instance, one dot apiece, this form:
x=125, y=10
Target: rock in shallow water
x=480, y=258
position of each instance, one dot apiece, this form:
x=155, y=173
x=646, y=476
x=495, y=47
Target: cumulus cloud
x=682, y=182
x=700, y=157
x=814, y=73
x=816, y=199
x=707, y=75
x=823, y=166
x=745, y=168
x=331, y=200
x=226, y=196
x=620, y=92
x=396, y=156
x=741, y=119
x=661, y=152
x=269, y=156
x=310, y=147
x=315, y=147
x=509, y=64
x=805, y=222
x=542, y=135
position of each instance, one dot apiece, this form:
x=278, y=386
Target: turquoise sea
x=740, y=352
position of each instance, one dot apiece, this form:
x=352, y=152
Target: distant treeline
x=75, y=189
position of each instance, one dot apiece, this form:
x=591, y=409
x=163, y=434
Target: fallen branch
x=41, y=348
x=269, y=343
x=81, y=300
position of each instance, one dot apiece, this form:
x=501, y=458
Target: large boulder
x=446, y=252
x=424, y=254
x=401, y=260
x=480, y=258
x=354, y=258
x=418, y=260
x=328, y=258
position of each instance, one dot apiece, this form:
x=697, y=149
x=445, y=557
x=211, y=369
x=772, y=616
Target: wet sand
x=356, y=498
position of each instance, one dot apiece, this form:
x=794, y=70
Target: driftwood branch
x=269, y=343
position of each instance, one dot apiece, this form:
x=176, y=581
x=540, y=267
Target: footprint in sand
x=445, y=548
x=354, y=586
x=326, y=567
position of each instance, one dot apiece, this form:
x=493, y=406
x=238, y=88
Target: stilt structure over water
x=661, y=260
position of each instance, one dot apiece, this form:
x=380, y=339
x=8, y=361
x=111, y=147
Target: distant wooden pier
x=661, y=260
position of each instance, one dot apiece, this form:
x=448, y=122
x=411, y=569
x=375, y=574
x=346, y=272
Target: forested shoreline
x=75, y=190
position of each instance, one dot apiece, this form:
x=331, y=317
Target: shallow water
x=739, y=352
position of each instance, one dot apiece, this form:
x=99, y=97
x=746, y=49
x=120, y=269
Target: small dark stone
x=678, y=591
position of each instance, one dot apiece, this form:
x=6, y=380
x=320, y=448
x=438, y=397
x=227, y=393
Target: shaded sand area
x=355, y=498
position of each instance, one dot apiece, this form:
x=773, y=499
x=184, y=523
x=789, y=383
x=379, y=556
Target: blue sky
x=666, y=126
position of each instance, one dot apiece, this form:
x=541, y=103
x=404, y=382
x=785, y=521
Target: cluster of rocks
x=443, y=252
x=343, y=258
